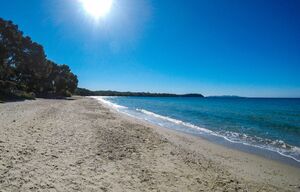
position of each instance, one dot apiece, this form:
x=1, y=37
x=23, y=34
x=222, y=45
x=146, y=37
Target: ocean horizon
x=264, y=126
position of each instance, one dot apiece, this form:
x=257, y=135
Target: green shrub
x=29, y=96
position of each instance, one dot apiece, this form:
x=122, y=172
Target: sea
x=264, y=126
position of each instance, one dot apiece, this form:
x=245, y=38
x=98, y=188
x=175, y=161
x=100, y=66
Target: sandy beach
x=82, y=145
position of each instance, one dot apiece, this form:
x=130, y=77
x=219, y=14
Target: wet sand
x=81, y=145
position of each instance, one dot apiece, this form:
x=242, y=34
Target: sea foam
x=103, y=100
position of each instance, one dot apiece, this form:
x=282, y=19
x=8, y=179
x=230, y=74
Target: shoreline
x=82, y=145
x=211, y=137
x=247, y=161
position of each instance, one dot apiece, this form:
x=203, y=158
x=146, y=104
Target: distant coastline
x=87, y=92
x=226, y=96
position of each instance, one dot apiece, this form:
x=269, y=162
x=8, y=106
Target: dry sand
x=80, y=145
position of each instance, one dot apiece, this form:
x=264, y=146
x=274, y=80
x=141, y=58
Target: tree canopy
x=24, y=67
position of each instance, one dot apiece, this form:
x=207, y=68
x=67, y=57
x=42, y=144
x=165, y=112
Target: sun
x=97, y=8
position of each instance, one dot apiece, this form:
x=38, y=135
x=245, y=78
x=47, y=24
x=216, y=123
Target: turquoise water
x=271, y=124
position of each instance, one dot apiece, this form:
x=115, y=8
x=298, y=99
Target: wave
x=277, y=146
x=103, y=100
x=176, y=121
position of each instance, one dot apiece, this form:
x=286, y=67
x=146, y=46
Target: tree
x=10, y=40
x=25, y=67
x=34, y=68
x=63, y=80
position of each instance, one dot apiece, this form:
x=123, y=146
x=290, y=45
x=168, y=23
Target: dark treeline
x=25, y=70
x=86, y=92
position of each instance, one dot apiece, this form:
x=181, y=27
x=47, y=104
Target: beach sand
x=81, y=145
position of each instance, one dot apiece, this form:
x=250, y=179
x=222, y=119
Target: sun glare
x=97, y=8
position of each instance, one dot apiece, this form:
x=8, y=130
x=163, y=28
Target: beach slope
x=80, y=145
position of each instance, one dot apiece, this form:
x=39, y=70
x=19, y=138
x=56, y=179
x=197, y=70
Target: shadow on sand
x=20, y=99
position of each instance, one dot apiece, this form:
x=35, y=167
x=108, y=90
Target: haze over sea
x=263, y=123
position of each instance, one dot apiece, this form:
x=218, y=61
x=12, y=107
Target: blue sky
x=215, y=47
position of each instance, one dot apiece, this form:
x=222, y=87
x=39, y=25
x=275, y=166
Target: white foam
x=236, y=135
x=108, y=103
x=176, y=121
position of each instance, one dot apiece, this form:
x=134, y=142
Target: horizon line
x=228, y=96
